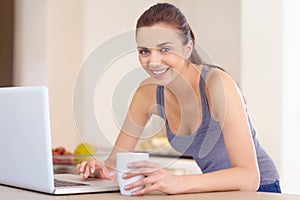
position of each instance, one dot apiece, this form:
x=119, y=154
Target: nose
x=155, y=58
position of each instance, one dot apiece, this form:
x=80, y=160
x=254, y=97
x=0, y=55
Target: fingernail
x=124, y=175
x=85, y=175
x=112, y=173
x=92, y=170
x=129, y=165
x=126, y=187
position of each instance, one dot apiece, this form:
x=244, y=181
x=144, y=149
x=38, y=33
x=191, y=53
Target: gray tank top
x=206, y=144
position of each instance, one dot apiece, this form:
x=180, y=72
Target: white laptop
x=25, y=145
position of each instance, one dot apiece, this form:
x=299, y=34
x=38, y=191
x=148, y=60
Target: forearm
x=124, y=143
x=235, y=178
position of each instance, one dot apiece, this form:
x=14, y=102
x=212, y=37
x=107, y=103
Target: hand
x=95, y=169
x=157, y=179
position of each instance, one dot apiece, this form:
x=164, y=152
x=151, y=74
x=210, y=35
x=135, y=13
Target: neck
x=186, y=83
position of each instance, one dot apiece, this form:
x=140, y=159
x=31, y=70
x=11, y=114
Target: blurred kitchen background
x=46, y=42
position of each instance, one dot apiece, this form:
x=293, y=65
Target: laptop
x=25, y=146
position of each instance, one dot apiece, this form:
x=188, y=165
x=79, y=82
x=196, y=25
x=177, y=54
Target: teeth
x=160, y=71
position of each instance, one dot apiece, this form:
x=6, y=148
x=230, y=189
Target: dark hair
x=169, y=14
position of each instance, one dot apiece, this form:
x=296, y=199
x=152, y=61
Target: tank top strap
x=205, y=109
x=205, y=71
x=160, y=101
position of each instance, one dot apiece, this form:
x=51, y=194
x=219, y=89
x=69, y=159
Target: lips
x=159, y=72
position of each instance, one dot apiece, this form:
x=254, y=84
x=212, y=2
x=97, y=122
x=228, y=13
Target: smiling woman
x=165, y=49
x=204, y=111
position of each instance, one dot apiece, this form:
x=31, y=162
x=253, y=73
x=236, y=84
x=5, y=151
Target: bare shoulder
x=145, y=95
x=146, y=89
x=219, y=82
x=218, y=77
x=222, y=90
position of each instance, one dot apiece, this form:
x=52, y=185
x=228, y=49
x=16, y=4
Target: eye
x=165, y=49
x=143, y=51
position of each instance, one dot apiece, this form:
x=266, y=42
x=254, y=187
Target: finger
x=86, y=172
x=142, y=182
x=90, y=168
x=81, y=166
x=142, y=171
x=104, y=172
x=145, y=164
x=149, y=181
x=99, y=169
x=92, y=165
x=145, y=190
x=137, y=172
x=78, y=169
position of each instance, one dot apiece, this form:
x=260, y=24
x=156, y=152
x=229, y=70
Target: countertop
x=9, y=193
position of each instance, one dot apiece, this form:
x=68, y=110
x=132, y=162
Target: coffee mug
x=123, y=159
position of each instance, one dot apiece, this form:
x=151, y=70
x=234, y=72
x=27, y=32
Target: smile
x=159, y=72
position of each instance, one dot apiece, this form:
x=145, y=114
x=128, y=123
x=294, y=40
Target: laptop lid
x=25, y=145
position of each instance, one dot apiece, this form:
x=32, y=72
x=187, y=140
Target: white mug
x=123, y=159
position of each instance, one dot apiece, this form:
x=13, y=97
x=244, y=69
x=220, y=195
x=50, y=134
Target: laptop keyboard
x=61, y=183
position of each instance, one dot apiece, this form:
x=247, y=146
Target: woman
x=204, y=111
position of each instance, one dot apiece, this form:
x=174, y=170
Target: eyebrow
x=159, y=45
x=163, y=44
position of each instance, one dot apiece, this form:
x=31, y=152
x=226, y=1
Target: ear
x=188, y=49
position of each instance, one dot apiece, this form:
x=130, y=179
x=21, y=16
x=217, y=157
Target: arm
x=226, y=106
x=136, y=119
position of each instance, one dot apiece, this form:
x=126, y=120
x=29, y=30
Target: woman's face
x=161, y=52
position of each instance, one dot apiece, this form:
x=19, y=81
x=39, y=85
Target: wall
x=216, y=25
x=65, y=54
x=47, y=51
x=269, y=74
x=30, y=43
x=261, y=70
x=291, y=97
